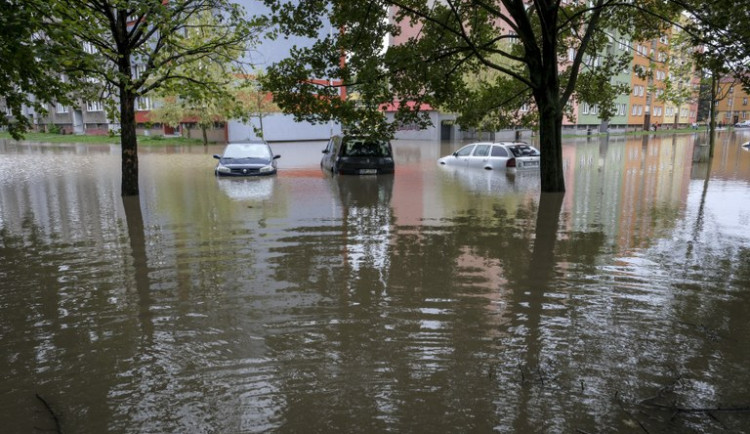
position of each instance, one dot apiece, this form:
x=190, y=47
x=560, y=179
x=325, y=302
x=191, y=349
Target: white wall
x=279, y=127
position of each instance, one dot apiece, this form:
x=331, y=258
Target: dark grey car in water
x=358, y=155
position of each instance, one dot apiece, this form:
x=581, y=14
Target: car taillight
x=511, y=163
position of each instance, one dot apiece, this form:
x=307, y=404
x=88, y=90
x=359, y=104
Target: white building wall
x=278, y=127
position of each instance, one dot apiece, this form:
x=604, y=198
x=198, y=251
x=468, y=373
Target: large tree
x=540, y=50
x=134, y=47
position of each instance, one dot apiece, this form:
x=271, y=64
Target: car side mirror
x=276, y=157
x=325, y=151
x=218, y=157
x=455, y=154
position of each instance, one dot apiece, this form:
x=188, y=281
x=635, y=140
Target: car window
x=366, y=148
x=482, y=151
x=465, y=151
x=499, y=151
x=235, y=151
x=523, y=151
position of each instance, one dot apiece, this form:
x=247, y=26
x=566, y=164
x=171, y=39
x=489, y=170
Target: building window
x=585, y=109
x=94, y=106
x=59, y=108
x=744, y=101
x=143, y=103
x=137, y=71
x=89, y=48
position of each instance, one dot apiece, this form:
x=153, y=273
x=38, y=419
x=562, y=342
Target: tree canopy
x=30, y=50
x=121, y=50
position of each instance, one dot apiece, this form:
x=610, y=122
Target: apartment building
x=733, y=104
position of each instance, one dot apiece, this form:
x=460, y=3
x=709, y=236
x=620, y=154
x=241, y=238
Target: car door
x=498, y=157
x=329, y=154
x=480, y=156
x=463, y=155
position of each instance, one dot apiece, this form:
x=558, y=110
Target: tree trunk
x=550, y=139
x=545, y=79
x=712, y=114
x=204, y=130
x=129, y=143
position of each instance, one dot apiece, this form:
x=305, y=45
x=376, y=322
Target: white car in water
x=494, y=156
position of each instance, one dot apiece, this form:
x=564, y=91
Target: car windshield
x=366, y=148
x=251, y=150
x=523, y=151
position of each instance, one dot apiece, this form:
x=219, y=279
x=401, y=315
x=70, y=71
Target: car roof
x=499, y=143
x=247, y=143
x=360, y=136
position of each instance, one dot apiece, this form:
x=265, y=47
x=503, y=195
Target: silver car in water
x=246, y=159
x=494, y=156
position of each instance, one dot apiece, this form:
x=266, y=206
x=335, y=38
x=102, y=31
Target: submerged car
x=358, y=155
x=743, y=124
x=494, y=156
x=246, y=159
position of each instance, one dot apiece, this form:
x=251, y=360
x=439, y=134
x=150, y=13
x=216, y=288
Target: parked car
x=494, y=156
x=358, y=155
x=246, y=159
x=743, y=124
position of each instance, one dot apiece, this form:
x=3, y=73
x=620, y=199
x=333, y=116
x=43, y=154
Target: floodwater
x=434, y=300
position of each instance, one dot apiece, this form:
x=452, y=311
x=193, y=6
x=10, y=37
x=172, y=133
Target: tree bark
x=550, y=142
x=712, y=114
x=547, y=97
x=129, y=144
x=545, y=84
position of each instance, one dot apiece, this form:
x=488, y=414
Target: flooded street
x=433, y=300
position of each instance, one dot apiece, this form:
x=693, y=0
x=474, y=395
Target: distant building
x=733, y=105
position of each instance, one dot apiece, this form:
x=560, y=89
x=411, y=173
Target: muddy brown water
x=434, y=300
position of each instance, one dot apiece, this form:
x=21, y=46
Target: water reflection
x=252, y=189
x=430, y=300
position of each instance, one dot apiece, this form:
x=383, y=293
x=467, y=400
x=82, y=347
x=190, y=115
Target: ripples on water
x=430, y=301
